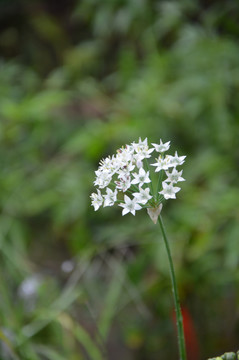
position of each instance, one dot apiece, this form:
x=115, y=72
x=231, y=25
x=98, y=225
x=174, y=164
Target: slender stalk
x=179, y=318
x=150, y=184
x=159, y=185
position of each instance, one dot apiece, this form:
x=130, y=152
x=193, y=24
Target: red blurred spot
x=191, y=339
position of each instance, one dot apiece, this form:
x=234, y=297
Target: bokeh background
x=78, y=79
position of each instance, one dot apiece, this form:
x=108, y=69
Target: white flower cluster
x=125, y=178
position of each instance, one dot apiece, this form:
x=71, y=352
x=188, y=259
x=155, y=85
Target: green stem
x=150, y=184
x=159, y=185
x=179, y=318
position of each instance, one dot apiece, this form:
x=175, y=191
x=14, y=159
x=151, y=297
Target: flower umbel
x=127, y=172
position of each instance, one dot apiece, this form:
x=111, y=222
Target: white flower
x=142, y=149
x=176, y=160
x=110, y=197
x=169, y=191
x=162, y=147
x=174, y=176
x=143, y=196
x=138, y=160
x=126, y=170
x=123, y=183
x=108, y=165
x=97, y=199
x=141, y=178
x=103, y=179
x=129, y=205
x=140, y=144
x=162, y=163
x=124, y=156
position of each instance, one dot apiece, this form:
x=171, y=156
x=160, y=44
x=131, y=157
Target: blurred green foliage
x=78, y=79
